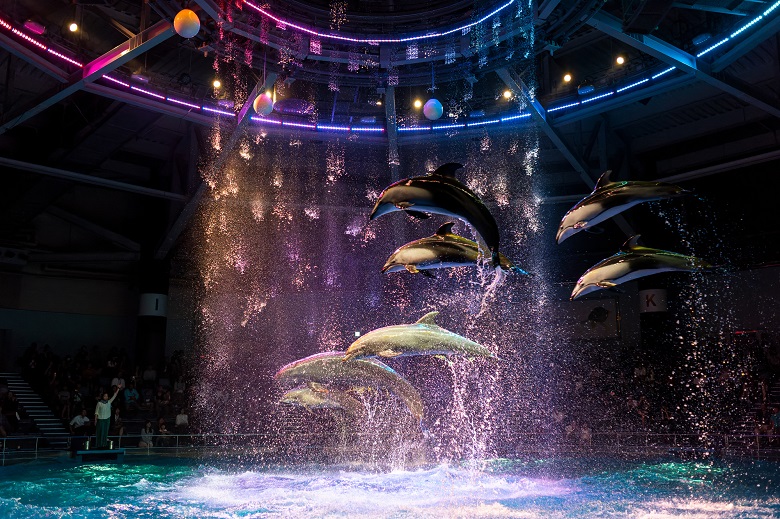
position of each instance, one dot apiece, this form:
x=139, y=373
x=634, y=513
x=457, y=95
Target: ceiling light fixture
x=417, y=103
x=73, y=27
x=217, y=83
x=507, y=94
x=620, y=60
x=567, y=78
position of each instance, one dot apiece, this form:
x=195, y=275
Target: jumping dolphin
x=633, y=262
x=610, y=198
x=424, y=337
x=441, y=193
x=443, y=249
x=317, y=396
x=325, y=368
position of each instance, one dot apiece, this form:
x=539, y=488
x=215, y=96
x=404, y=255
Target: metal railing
x=25, y=448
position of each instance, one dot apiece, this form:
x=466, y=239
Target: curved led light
x=373, y=40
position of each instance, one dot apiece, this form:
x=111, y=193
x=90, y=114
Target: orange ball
x=186, y=23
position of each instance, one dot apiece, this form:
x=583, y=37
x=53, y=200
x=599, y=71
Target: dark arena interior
x=385, y=258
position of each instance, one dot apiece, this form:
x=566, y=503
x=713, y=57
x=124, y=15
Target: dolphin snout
x=563, y=233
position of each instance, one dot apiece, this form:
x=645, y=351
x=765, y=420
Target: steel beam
x=88, y=179
x=189, y=210
x=539, y=115
x=111, y=236
x=748, y=43
x=109, y=61
x=391, y=127
x=25, y=53
x=670, y=54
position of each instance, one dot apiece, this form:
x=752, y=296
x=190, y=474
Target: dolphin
x=610, y=198
x=327, y=367
x=443, y=249
x=317, y=396
x=633, y=262
x=441, y=193
x=424, y=337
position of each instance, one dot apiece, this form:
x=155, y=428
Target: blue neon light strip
x=632, y=85
x=663, y=73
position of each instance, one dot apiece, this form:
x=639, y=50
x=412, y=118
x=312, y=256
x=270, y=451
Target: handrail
x=617, y=441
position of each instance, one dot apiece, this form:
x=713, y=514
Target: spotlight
x=73, y=27
x=217, y=83
x=417, y=103
x=567, y=78
x=379, y=102
x=620, y=60
x=507, y=94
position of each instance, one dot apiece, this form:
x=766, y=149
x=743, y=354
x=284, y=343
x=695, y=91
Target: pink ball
x=263, y=104
x=186, y=23
x=433, y=109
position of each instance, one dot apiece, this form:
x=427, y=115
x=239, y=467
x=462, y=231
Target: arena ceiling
x=100, y=129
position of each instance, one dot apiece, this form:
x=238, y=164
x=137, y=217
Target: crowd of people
x=106, y=396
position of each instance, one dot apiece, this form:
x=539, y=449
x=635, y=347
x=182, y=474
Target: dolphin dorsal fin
x=631, y=243
x=445, y=229
x=603, y=180
x=448, y=169
x=429, y=319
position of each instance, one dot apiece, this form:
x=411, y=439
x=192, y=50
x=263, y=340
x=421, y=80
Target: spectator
x=182, y=424
x=79, y=426
x=147, y=436
x=117, y=427
x=63, y=395
x=11, y=411
x=163, y=438
x=132, y=397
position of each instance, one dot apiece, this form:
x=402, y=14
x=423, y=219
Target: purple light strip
x=184, y=103
x=147, y=92
x=333, y=128
x=448, y=126
x=482, y=123
x=114, y=80
x=300, y=125
x=264, y=120
x=217, y=111
x=376, y=129
x=372, y=40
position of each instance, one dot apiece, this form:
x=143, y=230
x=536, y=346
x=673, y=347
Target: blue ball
x=433, y=109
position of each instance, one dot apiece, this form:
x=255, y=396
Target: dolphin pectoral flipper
x=389, y=353
x=580, y=224
x=445, y=229
x=606, y=284
x=412, y=269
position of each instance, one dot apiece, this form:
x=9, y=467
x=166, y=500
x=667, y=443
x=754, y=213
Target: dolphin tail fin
x=518, y=270
x=494, y=259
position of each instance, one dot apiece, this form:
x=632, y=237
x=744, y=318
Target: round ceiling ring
x=374, y=40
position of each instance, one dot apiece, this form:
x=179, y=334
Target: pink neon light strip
x=372, y=40
x=64, y=57
x=147, y=92
x=126, y=85
x=184, y=103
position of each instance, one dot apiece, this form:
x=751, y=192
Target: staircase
x=40, y=414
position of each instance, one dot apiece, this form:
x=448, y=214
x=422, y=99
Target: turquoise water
x=543, y=488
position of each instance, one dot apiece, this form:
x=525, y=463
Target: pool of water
x=544, y=488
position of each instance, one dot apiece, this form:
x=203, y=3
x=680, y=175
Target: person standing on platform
x=103, y=419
